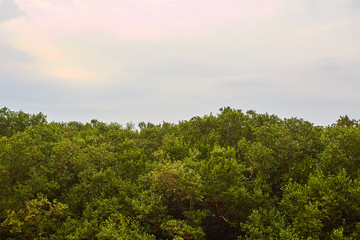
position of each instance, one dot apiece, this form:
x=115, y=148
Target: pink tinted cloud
x=47, y=22
x=141, y=18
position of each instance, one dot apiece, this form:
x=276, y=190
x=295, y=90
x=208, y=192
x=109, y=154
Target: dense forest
x=233, y=175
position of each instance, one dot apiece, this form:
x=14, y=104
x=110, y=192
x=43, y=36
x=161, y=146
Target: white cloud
x=299, y=60
x=8, y=10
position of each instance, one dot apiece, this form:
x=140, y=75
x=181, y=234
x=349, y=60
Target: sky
x=170, y=60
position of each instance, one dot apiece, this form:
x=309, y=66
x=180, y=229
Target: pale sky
x=170, y=60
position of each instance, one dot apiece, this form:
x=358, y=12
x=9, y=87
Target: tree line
x=233, y=175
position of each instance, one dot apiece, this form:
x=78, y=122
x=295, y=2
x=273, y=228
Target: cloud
x=143, y=18
x=11, y=58
x=161, y=60
x=48, y=23
x=8, y=10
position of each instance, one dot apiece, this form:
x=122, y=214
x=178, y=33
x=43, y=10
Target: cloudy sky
x=170, y=60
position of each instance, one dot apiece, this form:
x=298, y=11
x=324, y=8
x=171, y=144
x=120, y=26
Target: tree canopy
x=233, y=175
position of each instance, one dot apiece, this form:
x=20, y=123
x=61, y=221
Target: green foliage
x=12, y=122
x=183, y=182
x=38, y=220
x=342, y=150
x=233, y=175
x=265, y=224
x=179, y=229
